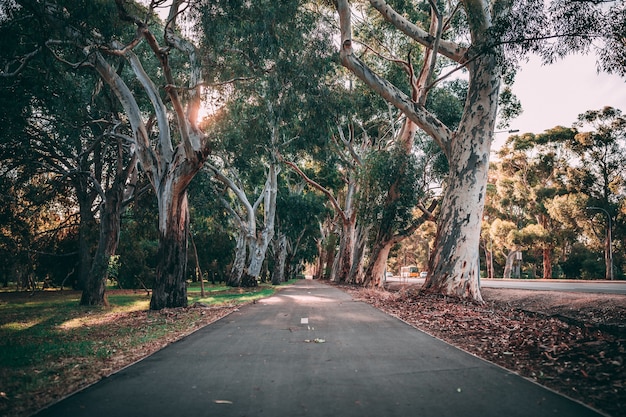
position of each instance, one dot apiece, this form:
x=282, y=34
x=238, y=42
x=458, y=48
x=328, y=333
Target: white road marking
x=304, y=320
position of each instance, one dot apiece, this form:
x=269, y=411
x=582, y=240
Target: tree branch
x=318, y=186
x=449, y=49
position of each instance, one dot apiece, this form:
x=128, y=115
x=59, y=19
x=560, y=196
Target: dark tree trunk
x=110, y=215
x=330, y=256
x=280, y=256
x=85, y=231
x=170, y=289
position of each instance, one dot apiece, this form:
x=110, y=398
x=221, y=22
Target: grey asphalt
x=311, y=350
x=561, y=285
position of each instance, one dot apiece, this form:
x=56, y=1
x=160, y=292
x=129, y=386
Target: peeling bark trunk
x=453, y=266
x=454, y=263
x=280, y=257
x=170, y=290
x=343, y=261
x=258, y=247
x=356, y=275
x=236, y=272
x=110, y=217
x=378, y=264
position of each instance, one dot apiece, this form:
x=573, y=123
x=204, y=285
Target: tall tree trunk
x=111, y=207
x=343, y=262
x=547, y=262
x=331, y=253
x=378, y=264
x=280, y=257
x=259, y=245
x=85, y=234
x=239, y=263
x=321, y=255
x=110, y=214
x=454, y=264
x=356, y=275
x=170, y=289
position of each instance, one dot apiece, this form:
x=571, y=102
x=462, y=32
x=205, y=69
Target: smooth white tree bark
x=453, y=266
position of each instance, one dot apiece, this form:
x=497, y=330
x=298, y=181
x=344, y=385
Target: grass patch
x=50, y=346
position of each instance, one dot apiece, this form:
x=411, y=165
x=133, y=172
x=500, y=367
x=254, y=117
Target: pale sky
x=556, y=94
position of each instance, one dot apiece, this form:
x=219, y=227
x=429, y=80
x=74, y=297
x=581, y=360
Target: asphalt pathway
x=311, y=350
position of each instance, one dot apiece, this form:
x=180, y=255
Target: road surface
x=311, y=350
x=601, y=287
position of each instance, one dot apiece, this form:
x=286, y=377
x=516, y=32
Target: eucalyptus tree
x=282, y=56
x=598, y=170
x=118, y=41
x=298, y=216
x=475, y=36
x=349, y=148
x=77, y=149
x=532, y=173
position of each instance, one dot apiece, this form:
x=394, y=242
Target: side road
x=310, y=350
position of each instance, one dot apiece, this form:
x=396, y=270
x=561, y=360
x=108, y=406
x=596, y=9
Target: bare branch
x=23, y=60
x=449, y=49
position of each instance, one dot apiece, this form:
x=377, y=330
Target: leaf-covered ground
x=573, y=343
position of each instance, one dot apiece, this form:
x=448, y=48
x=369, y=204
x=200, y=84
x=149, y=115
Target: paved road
x=311, y=350
x=601, y=287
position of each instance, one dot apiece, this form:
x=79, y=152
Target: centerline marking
x=304, y=320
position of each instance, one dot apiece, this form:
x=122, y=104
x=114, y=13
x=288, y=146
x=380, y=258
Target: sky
x=556, y=94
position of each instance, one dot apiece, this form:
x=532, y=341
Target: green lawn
x=49, y=345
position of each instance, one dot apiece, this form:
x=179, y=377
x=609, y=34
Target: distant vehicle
x=410, y=271
x=423, y=274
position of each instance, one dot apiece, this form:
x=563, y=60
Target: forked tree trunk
x=508, y=266
x=114, y=199
x=110, y=214
x=454, y=263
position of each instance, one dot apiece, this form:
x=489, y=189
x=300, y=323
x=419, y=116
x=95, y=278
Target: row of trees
x=555, y=194
x=227, y=127
x=551, y=199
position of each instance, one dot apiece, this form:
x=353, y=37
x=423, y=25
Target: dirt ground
x=574, y=343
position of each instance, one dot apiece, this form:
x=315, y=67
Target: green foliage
x=546, y=181
x=389, y=191
x=138, y=244
x=298, y=217
x=210, y=228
